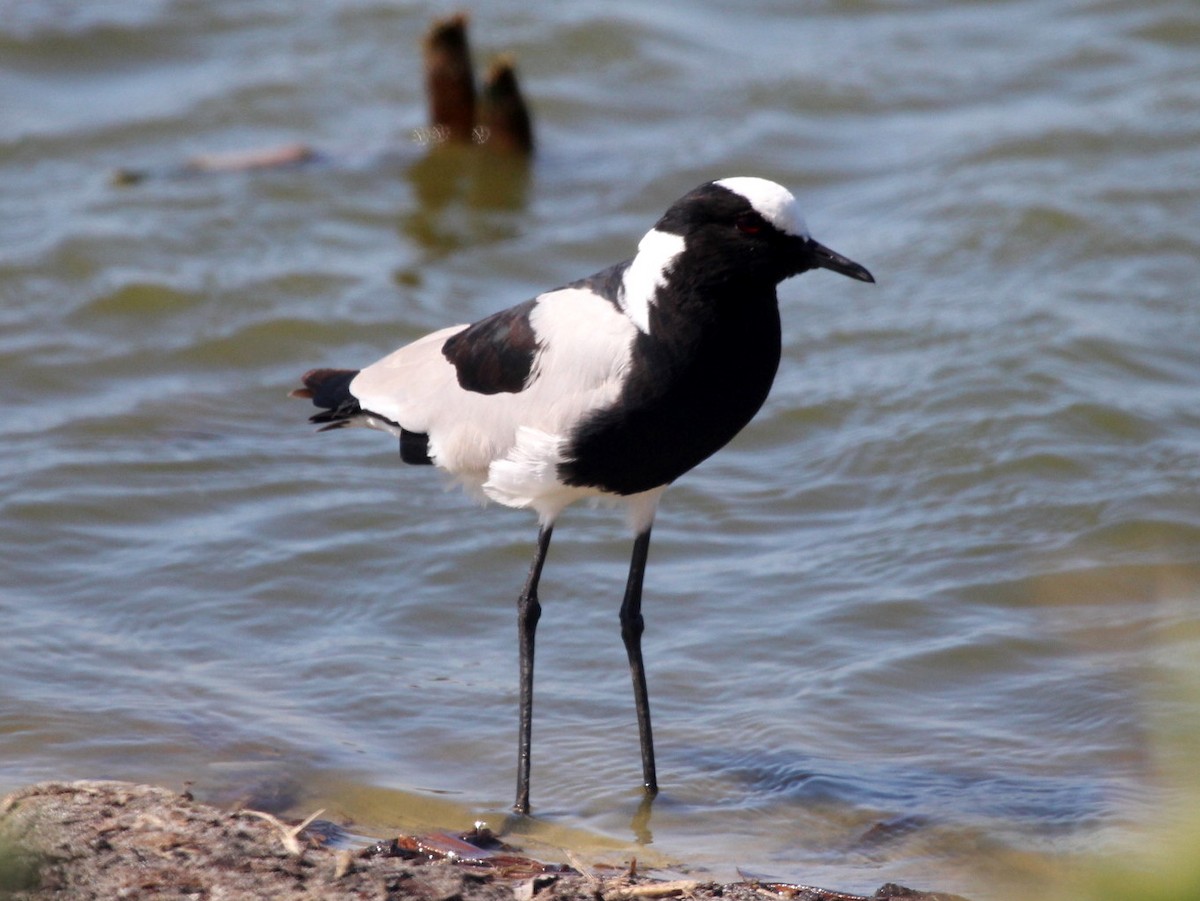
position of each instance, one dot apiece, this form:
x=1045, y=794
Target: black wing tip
x=329, y=389
x=325, y=387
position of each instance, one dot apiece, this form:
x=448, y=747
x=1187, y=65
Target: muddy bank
x=108, y=840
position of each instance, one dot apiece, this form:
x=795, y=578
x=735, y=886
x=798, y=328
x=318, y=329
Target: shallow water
x=920, y=622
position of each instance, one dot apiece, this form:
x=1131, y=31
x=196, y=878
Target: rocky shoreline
x=109, y=840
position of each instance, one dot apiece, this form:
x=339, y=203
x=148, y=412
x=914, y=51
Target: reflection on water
x=456, y=188
x=923, y=622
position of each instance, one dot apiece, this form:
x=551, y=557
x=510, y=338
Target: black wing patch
x=495, y=355
x=607, y=283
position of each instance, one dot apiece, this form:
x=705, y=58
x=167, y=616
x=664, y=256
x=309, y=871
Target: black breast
x=687, y=395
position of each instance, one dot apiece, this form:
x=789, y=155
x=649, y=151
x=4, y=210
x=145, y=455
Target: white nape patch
x=773, y=202
x=646, y=274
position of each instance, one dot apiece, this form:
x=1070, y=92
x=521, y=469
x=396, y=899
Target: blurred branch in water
x=500, y=123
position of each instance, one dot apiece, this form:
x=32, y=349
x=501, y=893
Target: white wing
x=509, y=443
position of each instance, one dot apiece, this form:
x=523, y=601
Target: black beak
x=824, y=258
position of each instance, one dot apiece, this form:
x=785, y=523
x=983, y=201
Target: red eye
x=748, y=225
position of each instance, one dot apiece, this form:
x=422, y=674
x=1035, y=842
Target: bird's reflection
x=640, y=824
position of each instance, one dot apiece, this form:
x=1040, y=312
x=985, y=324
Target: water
x=921, y=622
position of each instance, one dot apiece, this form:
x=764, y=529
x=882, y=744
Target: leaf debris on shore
x=101, y=840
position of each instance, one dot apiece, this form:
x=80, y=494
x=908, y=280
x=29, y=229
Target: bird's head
x=749, y=228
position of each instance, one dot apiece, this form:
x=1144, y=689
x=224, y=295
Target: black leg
x=528, y=613
x=632, y=626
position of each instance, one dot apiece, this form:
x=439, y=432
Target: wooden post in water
x=504, y=121
x=450, y=80
x=499, y=120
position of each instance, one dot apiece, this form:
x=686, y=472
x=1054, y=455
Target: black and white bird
x=611, y=387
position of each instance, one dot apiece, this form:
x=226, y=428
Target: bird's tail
x=329, y=389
